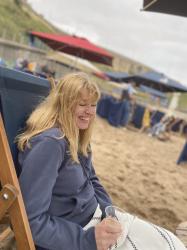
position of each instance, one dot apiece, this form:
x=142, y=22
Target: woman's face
x=85, y=110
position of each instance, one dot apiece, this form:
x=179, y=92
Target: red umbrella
x=175, y=7
x=76, y=46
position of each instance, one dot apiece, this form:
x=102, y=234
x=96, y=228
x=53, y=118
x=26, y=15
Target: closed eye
x=82, y=105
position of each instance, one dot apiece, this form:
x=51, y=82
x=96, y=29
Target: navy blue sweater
x=60, y=195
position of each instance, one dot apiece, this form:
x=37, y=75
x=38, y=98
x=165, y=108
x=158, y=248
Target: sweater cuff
x=102, y=207
x=90, y=242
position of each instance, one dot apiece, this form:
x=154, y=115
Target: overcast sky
x=157, y=40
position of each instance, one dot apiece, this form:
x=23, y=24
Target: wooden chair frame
x=11, y=200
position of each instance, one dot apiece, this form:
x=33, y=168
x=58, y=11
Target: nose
x=88, y=110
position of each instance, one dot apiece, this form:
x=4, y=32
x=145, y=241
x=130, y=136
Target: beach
x=140, y=173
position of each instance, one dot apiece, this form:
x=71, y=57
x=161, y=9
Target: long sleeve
x=101, y=195
x=38, y=177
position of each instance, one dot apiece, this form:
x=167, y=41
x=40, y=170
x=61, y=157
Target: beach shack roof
x=160, y=82
x=117, y=76
x=152, y=79
x=77, y=46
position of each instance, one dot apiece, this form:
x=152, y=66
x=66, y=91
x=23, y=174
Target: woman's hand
x=106, y=233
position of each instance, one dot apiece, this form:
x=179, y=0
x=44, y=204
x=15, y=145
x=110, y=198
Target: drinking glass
x=114, y=212
x=124, y=219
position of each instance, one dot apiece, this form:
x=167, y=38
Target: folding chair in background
x=19, y=94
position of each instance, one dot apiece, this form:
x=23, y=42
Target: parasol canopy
x=77, y=46
x=159, y=81
x=174, y=7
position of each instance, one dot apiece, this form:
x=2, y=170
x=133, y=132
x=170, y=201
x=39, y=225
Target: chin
x=83, y=127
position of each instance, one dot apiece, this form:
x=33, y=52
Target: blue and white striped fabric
x=140, y=235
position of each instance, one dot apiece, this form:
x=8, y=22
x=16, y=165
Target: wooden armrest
x=8, y=195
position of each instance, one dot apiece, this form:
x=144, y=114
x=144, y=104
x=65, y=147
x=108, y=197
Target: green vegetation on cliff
x=17, y=17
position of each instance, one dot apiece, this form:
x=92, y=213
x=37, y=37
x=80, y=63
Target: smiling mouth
x=84, y=119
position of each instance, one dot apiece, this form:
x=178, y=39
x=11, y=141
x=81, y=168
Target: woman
x=64, y=199
x=60, y=188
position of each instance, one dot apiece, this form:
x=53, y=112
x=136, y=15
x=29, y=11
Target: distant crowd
x=31, y=67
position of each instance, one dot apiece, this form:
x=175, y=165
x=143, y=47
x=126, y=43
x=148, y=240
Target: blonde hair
x=57, y=110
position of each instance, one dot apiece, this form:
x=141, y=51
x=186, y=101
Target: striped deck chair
x=19, y=93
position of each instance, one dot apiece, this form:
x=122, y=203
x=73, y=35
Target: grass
x=17, y=19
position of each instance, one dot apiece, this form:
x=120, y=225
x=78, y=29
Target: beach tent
x=159, y=82
x=175, y=7
x=77, y=46
x=113, y=110
x=138, y=115
x=183, y=155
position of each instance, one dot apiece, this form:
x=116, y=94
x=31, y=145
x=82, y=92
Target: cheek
x=94, y=110
x=93, y=114
x=78, y=111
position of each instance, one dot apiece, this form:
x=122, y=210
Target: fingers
x=112, y=225
x=104, y=242
x=107, y=233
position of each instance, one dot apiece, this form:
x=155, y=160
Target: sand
x=140, y=173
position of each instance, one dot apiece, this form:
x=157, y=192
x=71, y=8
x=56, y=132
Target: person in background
x=128, y=97
x=162, y=129
x=2, y=62
x=64, y=199
x=47, y=71
x=182, y=159
x=158, y=127
x=32, y=67
x=21, y=64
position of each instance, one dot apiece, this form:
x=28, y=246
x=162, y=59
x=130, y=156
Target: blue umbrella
x=159, y=81
x=117, y=76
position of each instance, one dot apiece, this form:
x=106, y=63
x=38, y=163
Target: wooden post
x=17, y=211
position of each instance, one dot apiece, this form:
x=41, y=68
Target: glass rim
x=116, y=208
